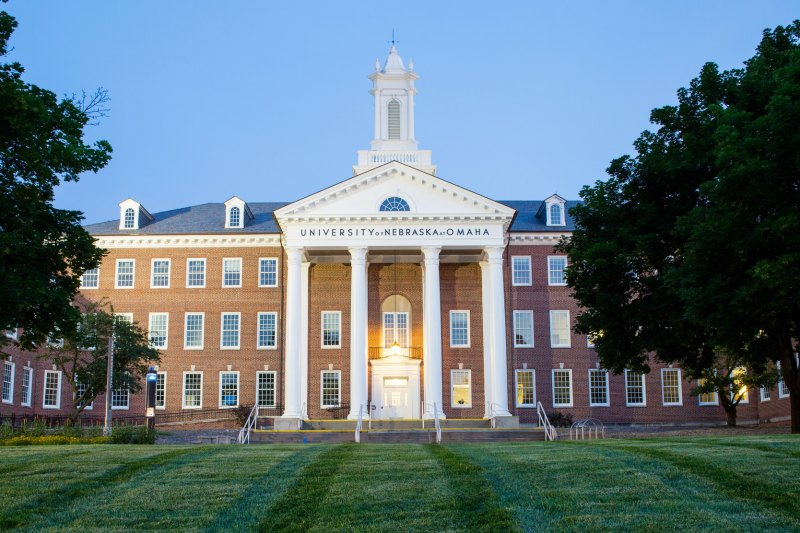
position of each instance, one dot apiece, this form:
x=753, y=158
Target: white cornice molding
x=536, y=238
x=187, y=241
x=395, y=217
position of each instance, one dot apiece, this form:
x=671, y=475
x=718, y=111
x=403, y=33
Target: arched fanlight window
x=394, y=119
x=234, y=217
x=129, y=218
x=555, y=215
x=395, y=203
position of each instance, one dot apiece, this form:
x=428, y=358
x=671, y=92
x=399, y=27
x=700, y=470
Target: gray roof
x=210, y=218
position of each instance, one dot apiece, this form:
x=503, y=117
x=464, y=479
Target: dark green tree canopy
x=43, y=250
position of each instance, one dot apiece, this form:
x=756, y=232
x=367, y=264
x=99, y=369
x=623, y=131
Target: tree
x=82, y=355
x=690, y=251
x=43, y=250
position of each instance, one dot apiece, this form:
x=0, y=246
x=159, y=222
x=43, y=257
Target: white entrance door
x=395, y=398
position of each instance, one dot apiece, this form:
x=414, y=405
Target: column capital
x=295, y=253
x=431, y=254
x=494, y=254
x=358, y=254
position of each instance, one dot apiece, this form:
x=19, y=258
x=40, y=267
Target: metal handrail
x=549, y=430
x=249, y=424
x=437, y=424
x=359, y=423
x=596, y=429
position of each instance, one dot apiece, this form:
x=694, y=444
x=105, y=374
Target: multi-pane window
x=556, y=215
x=229, y=336
x=562, y=388
x=523, y=329
x=80, y=390
x=267, y=329
x=634, y=389
x=671, y=386
x=706, y=398
x=331, y=329
x=557, y=270
x=195, y=272
x=192, y=390
x=395, y=329
x=526, y=387
x=159, y=276
x=331, y=386
x=129, y=219
x=765, y=394
x=90, y=279
x=27, y=386
x=461, y=382
x=521, y=270
x=598, y=388
x=783, y=390
x=738, y=389
x=120, y=397
x=559, y=329
x=159, y=323
x=51, y=394
x=161, y=390
x=125, y=270
x=234, y=221
x=8, y=382
x=265, y=388
x=268, y=272
x=193, y=339
x=232, y=272
x=459, y=329
x=11, y=333
x=228, y=389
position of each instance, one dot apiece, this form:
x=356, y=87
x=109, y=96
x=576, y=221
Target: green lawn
x=689, y=484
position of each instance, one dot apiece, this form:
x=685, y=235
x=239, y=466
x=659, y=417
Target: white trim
x=533, y=328
x=11, y=383
x=569, y=329
x=127, y=405
x=527, y=259
x=516, y=387
x=29, y=371
x=162, y=373
x=644, y=391
x=277, y=271
x=183, y=390
x=607, y=403
x=238, y=330
x=241, y=272
x=188, y=241
x=553, y=387
x=58, y=390
x=699, y=396
x=550, y=258
x=85, y=288
x=153, y=272
x=238, y=389
x=274, y=387
x=258, y=330
x=407, y=340
x=469, y=329
x=453, y=404
x=680, y=387
x=745, y=399
x=321, y=385
x=322, y=333
x=133, y=274
x=205, y=272
x=764, y=394
x=202, y=330
x=150, y=330
x=535, y=238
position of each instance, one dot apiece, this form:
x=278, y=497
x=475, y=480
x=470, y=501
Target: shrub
x=132, y=435
x=561, y=420
x=28, y=440
x=6, y=430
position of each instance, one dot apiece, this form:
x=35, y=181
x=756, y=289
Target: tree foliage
x=43, y=250
x=690, y=251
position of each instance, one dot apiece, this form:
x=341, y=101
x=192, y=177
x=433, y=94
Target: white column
x=377, y=93
x=487, y=339
x=358, y=331
x=498, y=331
x=292, y=384
x=304, y=335
x=433, y=331
x=411, y=114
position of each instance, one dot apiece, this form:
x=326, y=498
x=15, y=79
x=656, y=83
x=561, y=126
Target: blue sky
x=269, y=101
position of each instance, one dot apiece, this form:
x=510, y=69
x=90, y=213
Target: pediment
x=360, y=197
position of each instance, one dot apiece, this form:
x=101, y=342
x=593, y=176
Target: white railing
x=250, y=423
x=359, y=423
x=544, y=422
x=590, y=428
x=437, y=424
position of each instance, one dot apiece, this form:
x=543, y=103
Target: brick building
x=394, y=293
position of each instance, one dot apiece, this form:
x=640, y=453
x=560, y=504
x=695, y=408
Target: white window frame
x=202, y=330
x=183, y=390
x=205, y=272
x=238, y=389
x=516, y=328
x=550, y=260
x=161, y=373
x=322, y=333
x=89, y=287
x=222, y=316
x=664, y=401
x=58, y=390
x=765, y=394
x=13, y=366
x=75, y=392
x=553, y=387
x=563, y=210
x=12, y=334
x=700, y=396
x=274, y=387
x=150, y=330
x=554, y=312
x=239, y=215
x=527, y=260
x=133, y=274
x=153, y=272
x=260, y=346
x=468, y=373
x=469, y=332
x=241, y=274
x=517, y=372
x=644, y=390
x=604, y=372
x=746, y=396
x=27, y=396
x=322, y=387
x=127, y=405
x=263, y=260
x=783, y=390
x=390, y=336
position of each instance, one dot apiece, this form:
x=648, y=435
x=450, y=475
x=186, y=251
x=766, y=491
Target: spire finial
x=394, y=41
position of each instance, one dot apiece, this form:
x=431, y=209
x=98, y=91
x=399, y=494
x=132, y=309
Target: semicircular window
x=395, y=203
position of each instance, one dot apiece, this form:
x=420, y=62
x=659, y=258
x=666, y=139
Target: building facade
x=391, y=294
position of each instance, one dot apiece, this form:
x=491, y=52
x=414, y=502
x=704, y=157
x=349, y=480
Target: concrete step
x=417, y=436
x=396, y=424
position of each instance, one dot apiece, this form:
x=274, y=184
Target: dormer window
x=129, y=219
x=237, y=213
x=395, y=203
x=555, y=215
x=133, y=215
x=554, y=211
x=234, y=220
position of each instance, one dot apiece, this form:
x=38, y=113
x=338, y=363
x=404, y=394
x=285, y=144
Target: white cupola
x=393, y=90
x=133, y=215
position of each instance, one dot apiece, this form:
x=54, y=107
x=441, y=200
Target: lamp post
x=109, y=381
x=150, y=413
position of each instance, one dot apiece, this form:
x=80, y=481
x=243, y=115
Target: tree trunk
x=794, y=402
x=730, y=415
x=791, y=378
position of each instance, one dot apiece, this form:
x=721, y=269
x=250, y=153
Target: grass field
x=689, y=484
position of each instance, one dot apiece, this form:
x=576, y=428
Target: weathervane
x=393, y=41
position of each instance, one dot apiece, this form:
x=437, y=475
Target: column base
x=288, y=423
x=429, y=415
x=354, y=416
x=506, y=421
